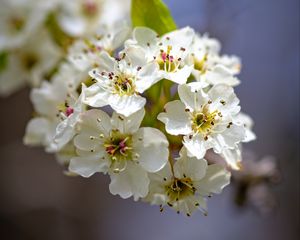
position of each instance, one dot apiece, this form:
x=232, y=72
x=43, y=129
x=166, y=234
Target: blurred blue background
x=38, y=202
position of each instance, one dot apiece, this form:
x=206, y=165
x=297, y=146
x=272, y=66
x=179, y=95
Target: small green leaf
x=153, y=14
x=3, y=61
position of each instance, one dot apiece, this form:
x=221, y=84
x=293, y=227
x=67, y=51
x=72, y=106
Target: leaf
x=3, y=61
x=153, y=14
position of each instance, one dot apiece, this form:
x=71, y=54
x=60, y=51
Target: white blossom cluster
x=144, y=109
x=35, y=33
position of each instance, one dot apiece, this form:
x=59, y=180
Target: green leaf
x=3, y=61
x=153, y=14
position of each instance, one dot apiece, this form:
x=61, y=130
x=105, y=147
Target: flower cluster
x=103, y=109
x=143, y=108
x=35, y=35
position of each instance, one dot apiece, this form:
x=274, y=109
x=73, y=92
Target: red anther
x=164, y=56
x=69, y=111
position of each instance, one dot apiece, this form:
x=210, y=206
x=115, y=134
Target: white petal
x=216, y=178
x=181, y=38
x=233, y=157
x=175, y=118
x=128, y=124
x=95, y=122
x=196, y=146
x=126, y=105
x=135, y=56
x=106, y=62
x=88, y=165
x=191, y=167
x=221, y=75
x=64, y=133
x=133, y=181
x=120, y=37
x=180, y=76
x=152, y=147
x=229, y=138
x=95, y=96
x=192, y=95
x=38, y=131
x=226, y=93
x=147, y=76
x=144, y=35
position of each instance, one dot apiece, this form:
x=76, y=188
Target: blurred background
x=38, y=202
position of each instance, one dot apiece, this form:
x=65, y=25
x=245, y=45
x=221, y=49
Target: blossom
x=118, y=146
x=204, y=118
x=82, y=17
x=84, y=53
x=119, y=82
x=79, y=17
x=185, y=186
x=209, y=67
x=29, y=63
x=234, y=156
x=168, y=51
x=57, y=107
x=20, y=19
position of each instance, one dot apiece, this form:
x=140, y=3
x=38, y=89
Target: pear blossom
x=66, y=129
x=168, y=51
x=119, y=147
x=84, y=53
x=206, y=119
x=209, y=67
x=19, y=19
x=57, y=107
x=185, y=186
x=234, y=156
x=114, y=11
x=29, y=63
x=79, y=17
x=119, y=82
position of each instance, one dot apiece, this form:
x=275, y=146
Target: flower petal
x=152, y=147
x=95, y=96
x=128, y=124
x=88, y=165
x=216, y=178
x=133, y=181
x=95, y=122
x=180, y=76
x=189, y=166
x=175, y=118
x=192, y=95
x=126, y=105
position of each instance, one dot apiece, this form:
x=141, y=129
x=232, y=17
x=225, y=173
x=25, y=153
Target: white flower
x=169, y=51
x=205, y=119
x=19, y=19
x=185, y=186
x=120, y=82
x=84, y=53
x=66, y=129
x=115, y=11
x=209, y=67
x=79, y=17
x=118, y=146
x=234, y=156
x=83, y=17
x=29, y=63
x=47, y=101
x=55, y=106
